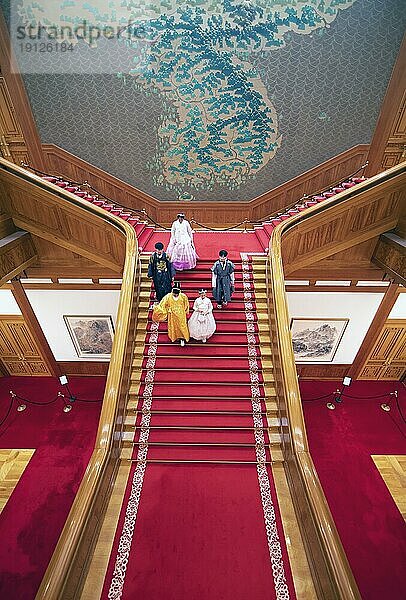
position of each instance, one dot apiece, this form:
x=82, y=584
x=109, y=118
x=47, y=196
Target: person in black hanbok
x=222, y=279
x=161, y=271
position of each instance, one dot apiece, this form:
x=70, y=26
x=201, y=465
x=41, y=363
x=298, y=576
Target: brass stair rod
x=201, y=412
x=204, y=383
x=222, y=444
x=210, y=462
x=202, y=428
x=200, y=398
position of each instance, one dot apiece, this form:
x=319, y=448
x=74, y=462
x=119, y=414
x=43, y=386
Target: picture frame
x=91, y=335
x=316, y=339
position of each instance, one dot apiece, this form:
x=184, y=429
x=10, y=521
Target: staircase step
x=146, y=234
x=205, y=363
x=263, y=237
x=198, y=350
x=191, y=383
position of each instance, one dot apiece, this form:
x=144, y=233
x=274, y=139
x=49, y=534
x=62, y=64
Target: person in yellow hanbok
x=175, y=307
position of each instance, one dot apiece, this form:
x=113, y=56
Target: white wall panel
x=8, y=306
x=50, y=306
x=360, y=309
x=399, y=309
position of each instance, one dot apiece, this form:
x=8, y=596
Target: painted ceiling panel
x=215, y=100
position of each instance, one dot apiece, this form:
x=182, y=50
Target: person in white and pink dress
x=181, y=249
x=202, y=324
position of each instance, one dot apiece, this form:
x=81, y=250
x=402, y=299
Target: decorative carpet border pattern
x=274, y=546
x=127, y=533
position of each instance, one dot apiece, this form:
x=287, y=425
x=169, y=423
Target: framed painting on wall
x=92, y=336
x=316, y=340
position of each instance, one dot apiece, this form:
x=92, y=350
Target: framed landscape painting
x=316, y=340
x=92, y=336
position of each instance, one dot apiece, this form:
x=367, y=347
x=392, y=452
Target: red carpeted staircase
x=200, y=518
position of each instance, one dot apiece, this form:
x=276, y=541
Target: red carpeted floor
x=33, y=518
x=201, y=531
x=342, y=441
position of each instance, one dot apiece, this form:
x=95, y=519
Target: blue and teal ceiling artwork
x=216, y=99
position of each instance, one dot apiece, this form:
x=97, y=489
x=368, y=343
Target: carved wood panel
x=387, y=360
x=395, y=151
x=19, y=352
x=15, y=256
x=207, y=213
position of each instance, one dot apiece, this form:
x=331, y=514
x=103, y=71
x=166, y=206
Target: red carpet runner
x=202, y=531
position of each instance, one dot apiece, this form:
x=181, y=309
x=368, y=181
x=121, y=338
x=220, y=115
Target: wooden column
x=34, y=326
x=374, y=330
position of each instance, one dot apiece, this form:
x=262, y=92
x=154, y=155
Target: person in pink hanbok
x=181, y=248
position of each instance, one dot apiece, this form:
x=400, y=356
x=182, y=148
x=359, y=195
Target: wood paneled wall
x=388, y=146
x=387, y=359
x=90, y=368
x=16, y=255
x=333, y=372
x=208, y=213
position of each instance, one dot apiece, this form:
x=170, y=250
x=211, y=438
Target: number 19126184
x=46, y=47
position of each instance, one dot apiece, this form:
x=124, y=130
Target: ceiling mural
x=214, y=100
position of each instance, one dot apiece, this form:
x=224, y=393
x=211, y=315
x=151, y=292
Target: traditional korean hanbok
x=181, y=248
x=223, y=281
x=162, y=272
x=202, y=324
x=175, y=309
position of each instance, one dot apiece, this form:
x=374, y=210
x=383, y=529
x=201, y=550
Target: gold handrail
x=331, y=572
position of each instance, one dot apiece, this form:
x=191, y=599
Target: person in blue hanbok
x=223, y=279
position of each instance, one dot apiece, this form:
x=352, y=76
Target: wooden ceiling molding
x=388, y=146
x=19, y=139
x=352, y=263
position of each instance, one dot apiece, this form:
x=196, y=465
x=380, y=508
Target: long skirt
x=183, y=255
x=201, y=326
